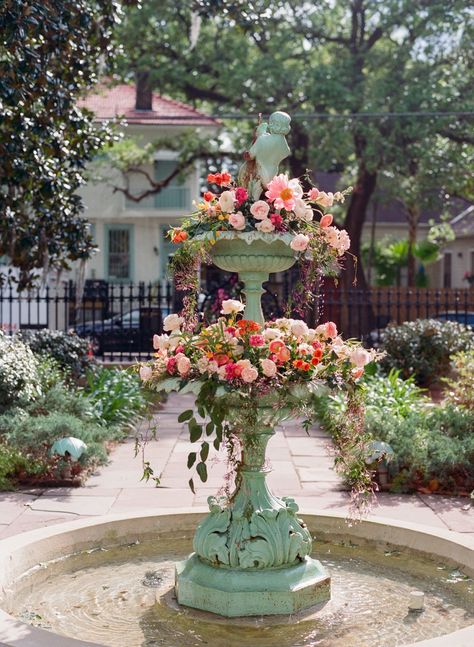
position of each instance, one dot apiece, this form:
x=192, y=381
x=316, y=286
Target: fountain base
x=233, y=592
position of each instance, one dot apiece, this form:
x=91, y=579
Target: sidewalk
x=302, y=468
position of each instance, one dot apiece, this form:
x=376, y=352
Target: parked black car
x=126, y=332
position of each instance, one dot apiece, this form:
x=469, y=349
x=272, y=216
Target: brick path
x=302, y=468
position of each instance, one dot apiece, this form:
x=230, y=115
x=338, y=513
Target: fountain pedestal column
x=251, y=554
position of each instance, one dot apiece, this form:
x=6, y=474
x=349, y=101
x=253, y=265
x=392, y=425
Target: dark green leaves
x=195, y=430
x=185, y=415
x=204, y=453
x=191, y=459
x=201, y=469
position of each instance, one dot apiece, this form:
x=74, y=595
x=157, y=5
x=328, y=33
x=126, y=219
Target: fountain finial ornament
x=268, y=150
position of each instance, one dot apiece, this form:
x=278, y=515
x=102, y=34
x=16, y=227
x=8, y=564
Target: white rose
x=160, y=342
x=231, y=306
x=249, y=374
x=202, y=364
x=172, y=322
x=298, y=328
x=213, y=366
x=360, y=357
x=266, y=226
x=244, y=363
x=303, y=211
x=311, y=334
x=269, y=367
x=271, y=333
x=174, y=341
x=259, y=210
x=226, y=201
x=299, y=243
x=146, y=373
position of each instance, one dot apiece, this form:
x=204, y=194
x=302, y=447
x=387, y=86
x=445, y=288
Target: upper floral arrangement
x=284, y=208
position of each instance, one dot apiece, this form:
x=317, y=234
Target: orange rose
x=178, y=236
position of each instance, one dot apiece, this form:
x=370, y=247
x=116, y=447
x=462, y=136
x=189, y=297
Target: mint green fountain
x=251, y=554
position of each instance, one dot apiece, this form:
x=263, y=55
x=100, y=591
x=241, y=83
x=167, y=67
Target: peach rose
x=226, y=201
x=184, y=364
x=299, y=243
x=146, y=373
x=360, y=357
x=249, y=374
x=266, y=226
x=259, y=210
x=237, y=220
x=269, y=367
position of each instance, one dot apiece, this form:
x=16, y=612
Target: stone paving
x=302, y=467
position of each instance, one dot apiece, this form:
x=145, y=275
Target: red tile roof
x=119, y=101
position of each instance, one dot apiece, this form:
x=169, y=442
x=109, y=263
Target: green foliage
x=19, y=377
x=329, y=57
x=12, y=464
x=116, y=396
x=68, y=349
x=461, y=385
x=50, y=53
x=422, y=348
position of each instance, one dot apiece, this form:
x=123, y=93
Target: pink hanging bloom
x=313, y=194
x=284, y=192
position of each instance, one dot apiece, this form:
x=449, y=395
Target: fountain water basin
x=105, y=591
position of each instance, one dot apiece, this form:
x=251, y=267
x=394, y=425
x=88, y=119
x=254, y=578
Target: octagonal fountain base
x=232, y=593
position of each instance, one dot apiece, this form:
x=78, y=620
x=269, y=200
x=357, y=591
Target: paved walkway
x=302, y=468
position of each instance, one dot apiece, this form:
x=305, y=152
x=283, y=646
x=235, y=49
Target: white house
x=131, y=236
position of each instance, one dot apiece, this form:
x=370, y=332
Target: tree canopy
x=391, y=79
x=50, y=52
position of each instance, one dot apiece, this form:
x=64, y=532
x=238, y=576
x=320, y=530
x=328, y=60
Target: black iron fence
x=120, y=320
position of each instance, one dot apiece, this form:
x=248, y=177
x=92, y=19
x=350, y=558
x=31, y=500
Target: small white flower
x=146, y=373
x=231, y=306
x=298, y=328
x=172, y=322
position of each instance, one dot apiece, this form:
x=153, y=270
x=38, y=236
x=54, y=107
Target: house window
x=176, y=194
x=447, y=269
x=119, y=246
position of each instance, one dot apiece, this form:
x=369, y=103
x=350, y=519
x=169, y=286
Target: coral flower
x=178, y=235
x=209, y=196
x=284, y=192
x=221, y=359
x=247, y=326
x=326, y=221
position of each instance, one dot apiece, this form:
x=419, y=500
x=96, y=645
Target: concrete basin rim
x=14, y=633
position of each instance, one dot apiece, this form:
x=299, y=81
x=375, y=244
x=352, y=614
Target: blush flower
x=259, y=209
x=237, y=220
x=284, y=192
x=146, y=373
x=313, y=194
x=326, y=220
x=300, y=243
x=184, y=365
x=266, y=226
x=325, y=199
x=249, y=374
x=269, y=367
x=172, y=322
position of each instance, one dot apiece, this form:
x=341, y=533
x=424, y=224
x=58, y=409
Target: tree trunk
x=357, y=318
x=412, y=232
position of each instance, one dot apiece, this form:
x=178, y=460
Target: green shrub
x=34, y=435
x=422, y=348
x=68, y=349
x=116, y=396
x=19, y=378
x=461, y=386
x=12, y=465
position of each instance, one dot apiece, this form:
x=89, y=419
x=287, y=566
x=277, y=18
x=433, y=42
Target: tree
x=349, y=59
x=50, y=52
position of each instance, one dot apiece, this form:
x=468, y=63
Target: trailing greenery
x=422, y=348
x=68, y=349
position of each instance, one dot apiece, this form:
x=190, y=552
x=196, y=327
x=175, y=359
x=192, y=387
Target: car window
x=132, y=317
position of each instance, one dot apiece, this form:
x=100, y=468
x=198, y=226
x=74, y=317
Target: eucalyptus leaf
x=201, y=469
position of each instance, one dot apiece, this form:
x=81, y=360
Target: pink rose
x=257, y=340
x=269, y=367
x=184, y=364
x=331, y=329
x=326, y=220
x=332, y=236
x=313, y=194
x=249, y=374
x=360, y=357
x=299, y=243
x=241, y=195
x=146, y=373
x=344, y=242
x=259, y=209
x=237, y=220
x=265, y=226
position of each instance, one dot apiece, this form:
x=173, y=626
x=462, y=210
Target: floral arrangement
x=285, y=209
x=240, y=358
